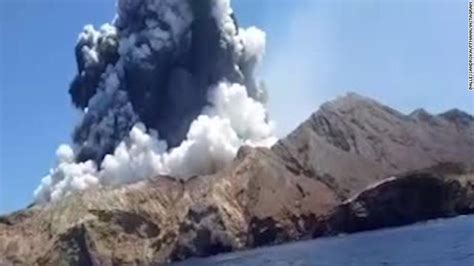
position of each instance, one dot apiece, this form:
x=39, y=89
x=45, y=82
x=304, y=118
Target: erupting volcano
x=168, y=88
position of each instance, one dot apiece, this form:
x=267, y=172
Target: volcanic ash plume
x=167, y=88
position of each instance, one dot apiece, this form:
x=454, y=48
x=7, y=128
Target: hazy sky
x=406, y=54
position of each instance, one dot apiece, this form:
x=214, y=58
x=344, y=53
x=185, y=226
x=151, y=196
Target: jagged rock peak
x=352, y=102
x=348, y=100
x=422, y=115
x=456, y=115
x=420, y=112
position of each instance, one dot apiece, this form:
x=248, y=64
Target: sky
x=406, y=54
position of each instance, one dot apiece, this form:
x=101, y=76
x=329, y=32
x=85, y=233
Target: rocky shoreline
x=429, y=196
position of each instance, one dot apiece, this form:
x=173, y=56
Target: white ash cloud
x=167, y=89
x=254, y=43
x=233, y=119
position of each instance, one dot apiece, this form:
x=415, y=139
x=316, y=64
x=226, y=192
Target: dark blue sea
x=443, y=242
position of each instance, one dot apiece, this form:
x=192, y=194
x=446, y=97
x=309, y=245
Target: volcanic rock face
x=353, y=141
x=353, y=165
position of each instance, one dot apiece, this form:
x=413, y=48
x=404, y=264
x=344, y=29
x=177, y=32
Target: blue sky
x=406, y=54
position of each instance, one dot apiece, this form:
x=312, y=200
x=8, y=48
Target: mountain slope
x=353, y=141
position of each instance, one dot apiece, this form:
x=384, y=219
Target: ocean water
x=443, y=242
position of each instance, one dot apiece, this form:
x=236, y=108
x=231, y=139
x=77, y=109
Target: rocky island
x=353, y=165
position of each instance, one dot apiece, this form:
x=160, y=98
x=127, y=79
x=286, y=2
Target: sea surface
x=443, y=242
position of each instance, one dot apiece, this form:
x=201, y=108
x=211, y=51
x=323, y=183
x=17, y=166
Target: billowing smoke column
x=167, y=89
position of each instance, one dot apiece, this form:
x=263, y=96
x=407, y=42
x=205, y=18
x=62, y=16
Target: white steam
x=234, y=119
x=253, y=40
x=67, y=177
